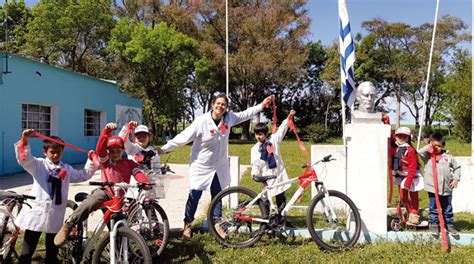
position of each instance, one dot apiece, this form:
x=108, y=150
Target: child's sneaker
x=434, y=229
x=450, y=228
x=222, y=233
x=414, y=219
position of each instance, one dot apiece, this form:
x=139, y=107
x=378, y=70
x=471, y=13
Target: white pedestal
x=367, y=150
x=332, y=174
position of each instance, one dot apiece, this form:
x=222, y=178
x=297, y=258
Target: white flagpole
x=423, y=112
x=227, y=49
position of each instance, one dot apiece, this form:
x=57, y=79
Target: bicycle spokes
x=333, y=221
x=241, y=220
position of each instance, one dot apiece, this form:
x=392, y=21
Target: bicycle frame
x=112, y=206
x=304, y=181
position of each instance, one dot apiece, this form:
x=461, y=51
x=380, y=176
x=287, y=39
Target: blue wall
x=70, y=92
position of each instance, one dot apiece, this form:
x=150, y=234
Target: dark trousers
x=30, y=241
x=194, y=197
x=93, y=202
x=446, y=207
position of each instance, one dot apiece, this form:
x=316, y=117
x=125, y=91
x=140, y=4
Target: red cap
x=115, y=141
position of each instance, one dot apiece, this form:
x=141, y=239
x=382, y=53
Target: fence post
x=234, y=168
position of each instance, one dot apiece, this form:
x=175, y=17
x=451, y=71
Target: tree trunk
x=397, y=113
x=245, y=130
x=326, y=115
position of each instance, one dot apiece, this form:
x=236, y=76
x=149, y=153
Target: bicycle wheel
x=151, y=222
x=8, y=234
x=137, y=250
x=334, y=221
x=240, y=232
x=70, y=253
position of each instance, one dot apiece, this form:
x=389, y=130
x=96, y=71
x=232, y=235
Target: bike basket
x=162, y=183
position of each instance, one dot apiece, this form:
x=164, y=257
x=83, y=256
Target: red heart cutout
x=223, y=127
x=139, y=158
x=62, y=173
x=213, y=131
x=270, y=149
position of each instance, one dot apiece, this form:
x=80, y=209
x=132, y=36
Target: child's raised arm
x=101, y=147
x=283, y=128
x=23, y=153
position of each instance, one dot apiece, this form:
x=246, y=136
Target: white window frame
x=101, y=122
x=45, y=126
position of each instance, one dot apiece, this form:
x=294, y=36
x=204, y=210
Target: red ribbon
x=22, y=146
x=444, y=239
x=274, y=128
x=302, y=147
x=59, y=142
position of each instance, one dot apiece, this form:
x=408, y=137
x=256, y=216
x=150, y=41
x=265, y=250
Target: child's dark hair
x=50, y=144
x=220, y=95
x=438, y=137
x=260, y=128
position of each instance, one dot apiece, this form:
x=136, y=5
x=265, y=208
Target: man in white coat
x=208, y=164
x=51, y=180
x=266, y=159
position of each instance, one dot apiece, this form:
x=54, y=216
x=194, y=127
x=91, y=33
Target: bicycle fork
x=326, y=202
x=124, y=241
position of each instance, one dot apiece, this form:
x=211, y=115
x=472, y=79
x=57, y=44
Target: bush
x=317, y=133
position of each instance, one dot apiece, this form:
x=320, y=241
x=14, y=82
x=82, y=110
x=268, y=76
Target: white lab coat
x=260, y=167
x=133, y=149
x=44, y=215
x=209, y=150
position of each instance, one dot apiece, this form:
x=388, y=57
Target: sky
x=325, y=20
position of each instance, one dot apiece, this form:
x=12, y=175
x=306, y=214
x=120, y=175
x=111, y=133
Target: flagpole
x=423, y=112
x=227, y=49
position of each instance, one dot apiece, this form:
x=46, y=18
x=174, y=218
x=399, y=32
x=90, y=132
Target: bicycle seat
x=79, y=197
x=9, y=195
x=264, y=178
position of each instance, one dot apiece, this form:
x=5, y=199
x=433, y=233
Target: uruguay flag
x=347, y=55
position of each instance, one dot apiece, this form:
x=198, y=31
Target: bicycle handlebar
x=28, y=197
x=324, y=159
x=139, y=185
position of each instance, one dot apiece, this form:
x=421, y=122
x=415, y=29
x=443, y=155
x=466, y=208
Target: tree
x=395, y=56
x=458, y=91
x=315, y=101
x=266, y=50
x=159, y=63
x=72, y=34
x=18, y=17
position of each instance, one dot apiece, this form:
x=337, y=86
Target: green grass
x=203, y=249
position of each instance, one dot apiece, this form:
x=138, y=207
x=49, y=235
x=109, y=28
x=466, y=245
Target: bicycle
x=149, y=219
x=122, y=245
x=332, y=218
x=9, y=231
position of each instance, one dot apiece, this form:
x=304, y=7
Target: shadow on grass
x=464, y=225
x=182, y=251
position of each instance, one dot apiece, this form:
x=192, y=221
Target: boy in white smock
x=266, y=159
x=51, y=179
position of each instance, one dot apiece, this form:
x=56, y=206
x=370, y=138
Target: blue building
x=56, y=101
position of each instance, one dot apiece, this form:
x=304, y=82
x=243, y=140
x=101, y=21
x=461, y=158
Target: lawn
x=202, y=248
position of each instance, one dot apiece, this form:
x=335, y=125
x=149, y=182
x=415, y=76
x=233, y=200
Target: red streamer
x=300, y=143
x=444, y=239
x=59, y=142
x=274, y=128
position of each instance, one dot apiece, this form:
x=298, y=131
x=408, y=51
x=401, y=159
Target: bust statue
x=365, y=95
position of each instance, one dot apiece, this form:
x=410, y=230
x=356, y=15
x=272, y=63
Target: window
x=37, y=117
x=91, y=123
